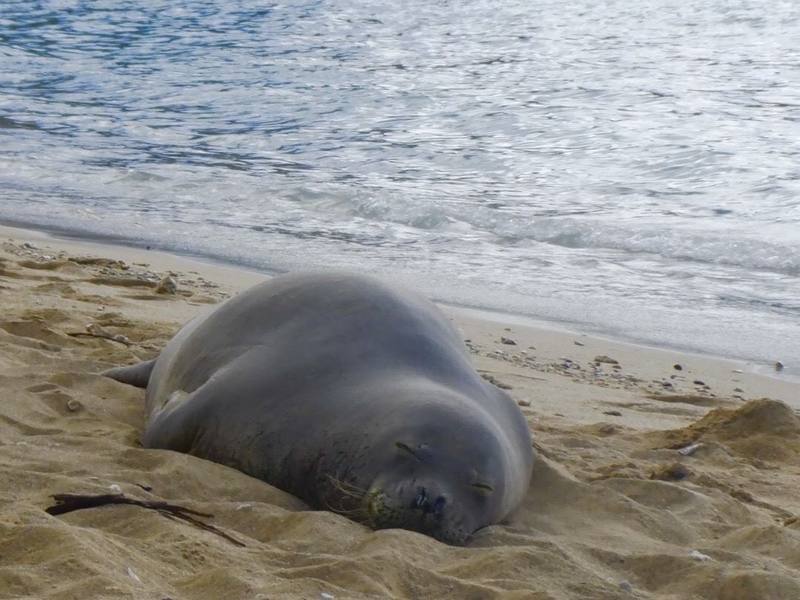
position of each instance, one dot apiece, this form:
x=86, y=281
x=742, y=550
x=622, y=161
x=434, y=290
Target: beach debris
x=115, y=489
x=577, y=343
x=94, y=330
x=690, y=449
x=602, y=358
x=507, y=341
x=132, y=574
x=740, y=390
x=524, y=402
x=326, y=596
x=737, y=371
x=496, y=382
x=699, y=556
x=779, y=366
x=66, y=503
x=613, y=413
x=677, y=367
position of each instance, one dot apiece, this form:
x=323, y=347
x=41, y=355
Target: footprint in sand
x=34, y=334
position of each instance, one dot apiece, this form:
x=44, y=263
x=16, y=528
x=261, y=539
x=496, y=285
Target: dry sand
x=614, y=509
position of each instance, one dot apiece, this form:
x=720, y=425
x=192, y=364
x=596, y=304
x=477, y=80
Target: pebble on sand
x=605, y=359
x=167, y=286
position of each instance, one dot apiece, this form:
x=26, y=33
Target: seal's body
x=349, y=393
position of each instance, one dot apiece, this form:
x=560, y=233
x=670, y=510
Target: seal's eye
x=407, y=448
x=484, y=487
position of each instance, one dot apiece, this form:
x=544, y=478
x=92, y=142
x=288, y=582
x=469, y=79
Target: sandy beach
x=659, y=474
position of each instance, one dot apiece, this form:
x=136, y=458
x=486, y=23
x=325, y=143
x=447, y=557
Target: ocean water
x=627, y=168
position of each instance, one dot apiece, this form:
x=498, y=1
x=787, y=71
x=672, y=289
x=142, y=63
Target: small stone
x=167, y=286
x=698, y=382
x=577, y=343
x=613, y=413
x=677, y=367
x=666, y=384
x=496, y=382
x=326, y=596
x=605, y=359
x=524, y=402
x=115, y=489
x=740, y=390
x=699, y=556
x=625, y=586
x=74, y=405
x=507, y=341
x=779, y=366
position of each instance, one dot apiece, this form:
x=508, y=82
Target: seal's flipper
x=138, y=375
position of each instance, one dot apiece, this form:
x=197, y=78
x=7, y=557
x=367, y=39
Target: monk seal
x=352, y=394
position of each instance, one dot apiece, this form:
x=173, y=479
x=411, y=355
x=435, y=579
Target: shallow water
x=629, y=168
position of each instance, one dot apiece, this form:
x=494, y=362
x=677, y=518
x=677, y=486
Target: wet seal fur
x=354, y=395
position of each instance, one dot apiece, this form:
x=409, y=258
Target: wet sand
x=660, y=474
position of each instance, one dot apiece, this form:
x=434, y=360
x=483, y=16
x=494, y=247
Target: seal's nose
x=423, y=501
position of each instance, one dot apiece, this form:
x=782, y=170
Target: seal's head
x=445, y=479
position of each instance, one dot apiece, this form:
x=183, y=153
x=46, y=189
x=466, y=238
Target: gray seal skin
x=354, y=395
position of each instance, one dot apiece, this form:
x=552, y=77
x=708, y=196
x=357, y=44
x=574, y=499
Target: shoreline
x=659, y=474
x=239, y=276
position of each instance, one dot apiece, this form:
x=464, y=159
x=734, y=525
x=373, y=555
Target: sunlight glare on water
x=630, y=168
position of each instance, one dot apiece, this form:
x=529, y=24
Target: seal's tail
x=138, y=375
